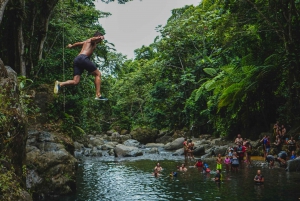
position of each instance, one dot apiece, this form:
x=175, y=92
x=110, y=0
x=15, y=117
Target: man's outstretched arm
x=75, y=44
x=97, y=39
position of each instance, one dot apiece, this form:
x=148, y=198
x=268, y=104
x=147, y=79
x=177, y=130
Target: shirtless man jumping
x=82, y=61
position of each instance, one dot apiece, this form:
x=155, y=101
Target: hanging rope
x=63, y=44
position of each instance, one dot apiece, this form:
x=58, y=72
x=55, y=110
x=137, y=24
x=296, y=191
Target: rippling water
x=100, y=180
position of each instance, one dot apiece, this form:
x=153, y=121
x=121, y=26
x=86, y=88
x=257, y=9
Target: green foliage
x=234, y=64
x=9, y=187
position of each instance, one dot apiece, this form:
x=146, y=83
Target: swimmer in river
x=259, y=178
x=158, y=167
x=218, y=176
x=155, y=173
x=182, y=168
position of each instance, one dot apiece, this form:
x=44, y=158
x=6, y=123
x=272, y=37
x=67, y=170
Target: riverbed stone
x=153, y=150
x=199, y=151
x=144, y=135
x=154, y=145
x=164, y=139
x=78, y=146
x=176, y=144
x=131, y=143
x=293, y=165
x=126, y=151
x=178, y=152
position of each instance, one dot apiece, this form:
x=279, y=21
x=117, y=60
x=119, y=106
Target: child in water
x=227, y=162
x=173, y=174
x=219, y=162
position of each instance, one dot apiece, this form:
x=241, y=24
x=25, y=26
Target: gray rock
x=131, y=143
x=220, y=150
x=178, y=152
x=78, y=146
x=293, y=165
x=115, y=135
x=149, y=145
x=153, y=150
x=47, y=158
x=104, y=147
x=96, y=142
x=111, y=152
x=199, y=151
x=126, y=151
x=110, y=132
x=164, y=139
x=124, y=132
x=176, y=144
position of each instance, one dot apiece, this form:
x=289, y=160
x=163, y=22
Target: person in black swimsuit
x=82, y=62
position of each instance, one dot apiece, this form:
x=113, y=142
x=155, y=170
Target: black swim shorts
x=82, y=62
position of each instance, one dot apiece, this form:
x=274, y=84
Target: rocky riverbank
x=207, y=147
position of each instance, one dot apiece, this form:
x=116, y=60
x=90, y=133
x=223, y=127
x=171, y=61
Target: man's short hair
x=97, y=33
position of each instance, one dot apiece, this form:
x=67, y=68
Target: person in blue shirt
x=293, y=156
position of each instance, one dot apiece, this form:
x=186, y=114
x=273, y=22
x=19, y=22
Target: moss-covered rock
x=52, y=168
x=144, y=135
x=13, y=136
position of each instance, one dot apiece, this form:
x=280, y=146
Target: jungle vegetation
x=222, y=67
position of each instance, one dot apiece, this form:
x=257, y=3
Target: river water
x=130, y=179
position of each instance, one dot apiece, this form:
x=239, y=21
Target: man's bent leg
x=75, y=81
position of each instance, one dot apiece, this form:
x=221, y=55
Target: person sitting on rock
x=282, y=156
x=270, y=159
x=291, y=144
x=293, y=155
x=277, y=143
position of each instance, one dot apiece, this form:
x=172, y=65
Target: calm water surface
x=131, y=179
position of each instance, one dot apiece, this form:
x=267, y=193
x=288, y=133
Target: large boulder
x=144, y=135
x=199, y=151
x=51, y=166
x=176, y=144
x=219, y=150
x=13, y=136
x=125, y=151
x=293, y=165
x=164, y=139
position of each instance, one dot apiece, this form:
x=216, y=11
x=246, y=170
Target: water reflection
x=133, y=180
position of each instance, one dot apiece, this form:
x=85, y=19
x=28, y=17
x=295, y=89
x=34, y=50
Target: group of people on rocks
x=281, y=138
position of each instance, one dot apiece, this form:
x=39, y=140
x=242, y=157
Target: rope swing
x=63, y=53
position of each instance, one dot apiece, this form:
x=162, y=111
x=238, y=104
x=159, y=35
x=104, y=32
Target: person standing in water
x=259, y=178
x=82, y=62
x=219, y=162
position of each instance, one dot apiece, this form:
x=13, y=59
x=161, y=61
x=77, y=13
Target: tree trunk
x=3, y=4
x=47, y=11
x=21, y=43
